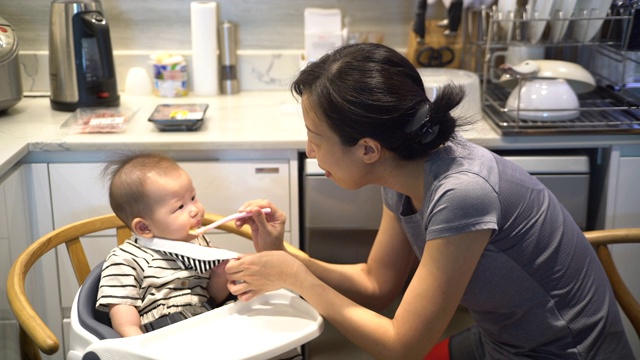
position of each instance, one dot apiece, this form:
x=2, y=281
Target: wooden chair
x=35, y=335
x=600, y=239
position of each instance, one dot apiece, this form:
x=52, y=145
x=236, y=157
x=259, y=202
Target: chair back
x=600, y=239
x=35, y=335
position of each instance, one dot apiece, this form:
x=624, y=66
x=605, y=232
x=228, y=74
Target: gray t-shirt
x=538, y=290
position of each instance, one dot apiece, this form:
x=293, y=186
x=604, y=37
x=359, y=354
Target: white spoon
x=201, y=230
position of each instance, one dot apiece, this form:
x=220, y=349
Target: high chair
x=600, y=239
x=270, y=324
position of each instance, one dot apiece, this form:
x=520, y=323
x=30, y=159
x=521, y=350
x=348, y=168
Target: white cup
x=138, y=82
x=515, y=54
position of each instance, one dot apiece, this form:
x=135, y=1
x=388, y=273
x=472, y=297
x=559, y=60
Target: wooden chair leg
x=28, y=349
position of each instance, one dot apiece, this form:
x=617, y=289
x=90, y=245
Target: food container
x=98, y=120
x=178, y=117
x=169, y=75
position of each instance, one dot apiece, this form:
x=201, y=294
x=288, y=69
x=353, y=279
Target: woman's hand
x=255, y=274
x=267, y=230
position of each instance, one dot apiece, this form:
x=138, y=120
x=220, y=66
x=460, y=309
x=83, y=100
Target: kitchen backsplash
x=270, y=33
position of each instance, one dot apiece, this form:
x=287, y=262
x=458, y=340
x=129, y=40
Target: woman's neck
x=405, y=177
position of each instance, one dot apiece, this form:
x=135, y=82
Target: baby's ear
x=140, y=227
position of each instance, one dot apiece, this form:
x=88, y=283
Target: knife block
x=434, y=37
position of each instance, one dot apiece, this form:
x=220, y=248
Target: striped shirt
x=156, y=284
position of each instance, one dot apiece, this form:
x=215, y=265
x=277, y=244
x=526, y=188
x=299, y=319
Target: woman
x=478, y=230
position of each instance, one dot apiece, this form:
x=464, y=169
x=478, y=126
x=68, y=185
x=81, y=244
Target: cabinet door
x=79, y=192
x=8, y=325
x=627, y=197
x=15, y=236
x=224, y=186
x=625, y=212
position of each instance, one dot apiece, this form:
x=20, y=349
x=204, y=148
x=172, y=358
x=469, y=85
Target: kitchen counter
x=260, y=120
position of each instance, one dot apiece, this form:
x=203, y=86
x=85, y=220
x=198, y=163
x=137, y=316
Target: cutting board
x=435, y=38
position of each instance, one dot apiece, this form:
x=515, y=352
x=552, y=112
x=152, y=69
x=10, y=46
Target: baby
x=142, y=288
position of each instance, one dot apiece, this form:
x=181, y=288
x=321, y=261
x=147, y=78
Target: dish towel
x=189, y=255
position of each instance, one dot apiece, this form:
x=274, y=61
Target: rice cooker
x=10, y=78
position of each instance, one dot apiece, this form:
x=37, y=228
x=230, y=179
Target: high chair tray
x=262, y=328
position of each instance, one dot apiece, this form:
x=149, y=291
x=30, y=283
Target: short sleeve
x=120, y=282
x=459, y=203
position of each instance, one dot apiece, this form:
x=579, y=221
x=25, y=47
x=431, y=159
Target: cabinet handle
x=267, y=170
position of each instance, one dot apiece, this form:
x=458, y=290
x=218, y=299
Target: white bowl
x=434, y=78
x=544, y=100
x=580, y=80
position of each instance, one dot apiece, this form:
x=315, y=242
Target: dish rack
x=612, y=56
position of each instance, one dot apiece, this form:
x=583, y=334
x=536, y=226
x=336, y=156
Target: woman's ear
x=140, y=227
x=371, y=150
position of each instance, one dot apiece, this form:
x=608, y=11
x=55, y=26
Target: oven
x=340, y=225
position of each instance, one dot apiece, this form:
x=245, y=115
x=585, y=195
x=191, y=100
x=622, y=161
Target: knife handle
x=419, y=27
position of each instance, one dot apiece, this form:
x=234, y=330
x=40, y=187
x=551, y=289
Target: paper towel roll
x=204, y=47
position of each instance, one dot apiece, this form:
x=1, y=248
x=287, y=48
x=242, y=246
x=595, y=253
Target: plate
x=579, y=78
x=506, y=9
x=560, y=14
x=536, y=11
x=593, y=12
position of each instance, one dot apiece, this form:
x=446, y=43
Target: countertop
x=256, y=120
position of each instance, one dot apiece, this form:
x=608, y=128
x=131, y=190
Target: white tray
x=262, y=328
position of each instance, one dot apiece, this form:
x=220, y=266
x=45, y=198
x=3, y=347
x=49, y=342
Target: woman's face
x=340, y=163
x=176, y=209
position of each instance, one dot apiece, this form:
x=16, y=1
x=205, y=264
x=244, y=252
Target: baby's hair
x=127, y=175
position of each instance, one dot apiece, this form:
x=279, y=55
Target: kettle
x=81, y=68
x=10, y=79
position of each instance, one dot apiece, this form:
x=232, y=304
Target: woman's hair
x=128, y=177
x=371, y=90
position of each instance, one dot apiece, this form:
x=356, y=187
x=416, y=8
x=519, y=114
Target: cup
x=515, y=54
x=138, y=82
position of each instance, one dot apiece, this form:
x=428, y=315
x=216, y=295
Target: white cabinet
x=14, y=238
x=623, y=210
x=78, y=191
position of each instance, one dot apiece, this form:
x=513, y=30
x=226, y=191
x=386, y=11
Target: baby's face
x=176, y=209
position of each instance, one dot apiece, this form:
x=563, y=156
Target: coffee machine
x=81, y=68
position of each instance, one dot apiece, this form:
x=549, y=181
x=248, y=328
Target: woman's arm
x=426, y=308
x=376, y=283
x=373, y=284
x=424, y=312
x=125, y=320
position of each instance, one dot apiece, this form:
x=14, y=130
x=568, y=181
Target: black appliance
x=81, y=67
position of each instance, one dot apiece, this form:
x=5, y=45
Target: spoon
x=201, y=230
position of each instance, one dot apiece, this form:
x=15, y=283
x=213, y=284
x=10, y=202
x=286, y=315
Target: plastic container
x=98, y=120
